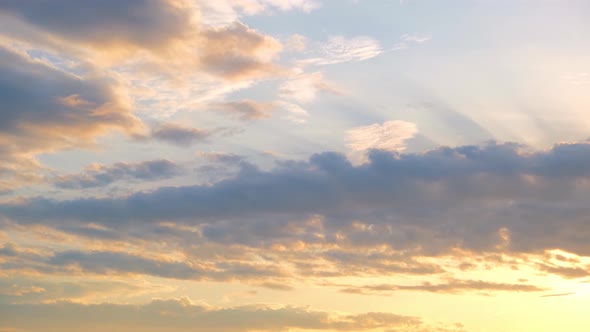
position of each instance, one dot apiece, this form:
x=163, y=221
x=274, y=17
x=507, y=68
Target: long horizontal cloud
x=182, y=315
x=101, y=175
x=452, y=286
x=121, y=263
x=482, y=198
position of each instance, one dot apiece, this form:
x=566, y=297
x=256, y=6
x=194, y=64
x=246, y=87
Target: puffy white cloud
x=304, y=87
x=388, y=136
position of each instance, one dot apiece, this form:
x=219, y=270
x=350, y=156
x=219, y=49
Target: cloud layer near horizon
x=406, y=192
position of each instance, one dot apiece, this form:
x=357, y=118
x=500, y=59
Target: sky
x=294, y=165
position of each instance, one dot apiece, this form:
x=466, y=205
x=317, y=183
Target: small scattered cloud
x=246, y=109
x=239, y=52
x=407, y=40
x=304, y=87
x=178, y=134
x=557, y=295
x=416, y=38
x=296, y=43
x=568, y=272
x=388, y=136
x=339, y=49
x=295, y=114
x=223, y=12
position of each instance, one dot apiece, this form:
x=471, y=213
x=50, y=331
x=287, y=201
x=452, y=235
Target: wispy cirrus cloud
x=304, y=87
x=452, y=286
x=339, y=49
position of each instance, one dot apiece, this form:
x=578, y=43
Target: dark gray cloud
x=170, y=31
x=100, y=175
x=8, y=249
x=181, y=315
x=178, y=134
x=45, y=109
x=120, y=263
x=147, y=23
x=481, y=198
x=42, y=105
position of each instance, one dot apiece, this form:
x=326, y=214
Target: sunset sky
x=294, y=165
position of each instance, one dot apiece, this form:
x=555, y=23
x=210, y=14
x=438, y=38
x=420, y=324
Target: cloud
x=566, y=271
x=223, y=12
x=45, y=109
x=115, y=263
x=408, y=40
x=296, y=43
x=97, y=175
x=389, y=136
x=452, y=286
x=339, y=49
x=178, y=134
x=225, y=158
x=182, y=315
x=495, y=197
x=37, y=289
x=238, y=52
x=295, y=112
x=165, y=38
x=304, y=5
x=557, y=295
x=246, y=109
x=144, y=23
x=304, y=88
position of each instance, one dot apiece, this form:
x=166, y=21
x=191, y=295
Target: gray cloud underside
x=46, y=109
x=180, y=315
x=452, y=286
x=105, y=175
x=42, y=106
x=146, y=23
x=179, y=135
x=445, y=198
x=263, y=267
